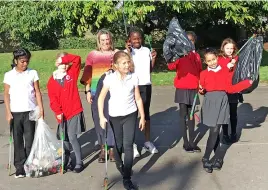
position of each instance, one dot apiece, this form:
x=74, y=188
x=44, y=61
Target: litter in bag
x=177, y=43
x=45, y=156
x=249, y=63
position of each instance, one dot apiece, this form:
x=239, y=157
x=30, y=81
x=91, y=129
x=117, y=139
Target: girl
x=97, y=63
x=144, y=61
x=215, y=81
x=124, y=100
x=186, y=82
x=228, y=59
x=66, y=104
x=22, y=95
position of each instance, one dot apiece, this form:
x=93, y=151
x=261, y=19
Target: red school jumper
x=65, y=99
x=188, y=70
x=221, y=81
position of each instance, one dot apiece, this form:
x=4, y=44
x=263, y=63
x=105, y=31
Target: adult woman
x=97, y=63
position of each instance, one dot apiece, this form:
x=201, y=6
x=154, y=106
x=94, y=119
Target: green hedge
x=76, y=43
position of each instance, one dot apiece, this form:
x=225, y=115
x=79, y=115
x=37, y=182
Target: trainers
x=136, y=153
x=20, y=173
x=150, y=147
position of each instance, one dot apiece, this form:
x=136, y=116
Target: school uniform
x=186, y=82
x=22, y=101
x=64, y=99
x=236, y=97
x=233, y=99
x=215, y=108
x=217, y=82
x=122, y=117
x=142, y=68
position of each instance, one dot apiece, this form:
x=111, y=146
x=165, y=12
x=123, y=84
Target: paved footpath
x=245, y=163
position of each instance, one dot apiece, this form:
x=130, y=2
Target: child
x=186, y=82
x=228, y=59
x=144, y=61
x=22, y=95
x=215, y=81
x=124, y=100
x=66, y=104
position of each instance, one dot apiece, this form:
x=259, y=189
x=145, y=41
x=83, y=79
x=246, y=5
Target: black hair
x=192, y=34
x=20, y=52
x=135, y=29
x=211, y=51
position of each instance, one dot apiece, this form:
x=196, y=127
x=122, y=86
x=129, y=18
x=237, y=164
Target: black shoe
x=207, y=165
x=128, y=185
x=78, y=168
x=20, y=173
x=226, y=140
x=188, y=148
x=233, y=138
x=218, y=164
x=196, y=149
x=68, y=167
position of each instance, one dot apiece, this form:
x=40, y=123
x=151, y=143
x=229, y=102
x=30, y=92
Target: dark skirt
x=186, y=96
x=75, y=125
x=215, y=109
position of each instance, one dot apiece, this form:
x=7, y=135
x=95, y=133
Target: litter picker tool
x=10, y=147
x=105, y=183
x=62, y=136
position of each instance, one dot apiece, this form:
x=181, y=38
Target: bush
x=31, y=46
x=77, y=43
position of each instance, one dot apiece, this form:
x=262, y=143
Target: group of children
x=220, y=97
x=118, y=85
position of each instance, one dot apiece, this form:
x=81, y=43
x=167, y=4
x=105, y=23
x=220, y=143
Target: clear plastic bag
x=34, y=114
x=46, y=153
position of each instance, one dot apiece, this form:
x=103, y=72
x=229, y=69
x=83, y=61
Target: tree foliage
x=35, y=20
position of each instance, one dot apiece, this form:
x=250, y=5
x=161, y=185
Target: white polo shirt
x=122, y=93
x=21, y=91
x=142, y=64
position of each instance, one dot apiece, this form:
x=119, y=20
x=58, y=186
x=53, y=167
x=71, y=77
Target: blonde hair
x=107, y=32
x=120, y=54
x=228, y=41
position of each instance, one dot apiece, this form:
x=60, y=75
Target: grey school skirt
x=215, y=109
x=186, y=96
x=75, y=125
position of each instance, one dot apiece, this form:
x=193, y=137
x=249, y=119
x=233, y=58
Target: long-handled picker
x=10, y=148
x=105, y=183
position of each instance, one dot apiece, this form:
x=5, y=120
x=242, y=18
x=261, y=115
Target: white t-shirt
x=142, y=64
x=21, y=91
x=122, y=93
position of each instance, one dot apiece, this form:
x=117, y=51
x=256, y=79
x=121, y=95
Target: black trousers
x=185, y=111
x=23, y=131
x=124, y=134
x=233, y=120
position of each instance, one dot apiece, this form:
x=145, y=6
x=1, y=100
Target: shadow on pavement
x=165, y=135
x=171, y=171
x=249, y=118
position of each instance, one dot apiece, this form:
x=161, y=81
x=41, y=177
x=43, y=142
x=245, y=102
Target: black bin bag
x=249, y=63
x=176, y=43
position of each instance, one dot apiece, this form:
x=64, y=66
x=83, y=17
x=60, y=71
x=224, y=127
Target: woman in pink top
x=98, y=62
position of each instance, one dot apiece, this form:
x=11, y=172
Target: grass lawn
x=43, y=62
